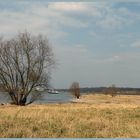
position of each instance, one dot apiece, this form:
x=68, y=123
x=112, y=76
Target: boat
x=39, y=89
x=52, y=91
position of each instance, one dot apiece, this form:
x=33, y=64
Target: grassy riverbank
x=98, y=119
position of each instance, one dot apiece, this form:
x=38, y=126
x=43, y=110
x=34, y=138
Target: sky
x=96, y=43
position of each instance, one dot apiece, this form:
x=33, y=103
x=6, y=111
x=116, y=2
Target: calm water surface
x=61, y=97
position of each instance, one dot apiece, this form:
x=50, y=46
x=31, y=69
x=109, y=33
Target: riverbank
x=77, y=120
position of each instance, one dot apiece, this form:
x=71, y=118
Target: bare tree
x=112, y=90
x=75, y=89
x=25, y=62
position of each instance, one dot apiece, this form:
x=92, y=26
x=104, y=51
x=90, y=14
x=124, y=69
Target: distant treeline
x=121, y=90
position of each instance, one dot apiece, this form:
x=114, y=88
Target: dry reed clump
x=70, y=120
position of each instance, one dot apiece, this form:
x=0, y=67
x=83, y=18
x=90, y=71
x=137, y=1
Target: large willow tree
x=25, y=62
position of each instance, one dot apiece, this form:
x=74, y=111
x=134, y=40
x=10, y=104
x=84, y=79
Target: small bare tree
x=25, y=62
x=112, y=90
x=75, y=89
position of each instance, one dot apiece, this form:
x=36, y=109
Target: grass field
x=107, y=117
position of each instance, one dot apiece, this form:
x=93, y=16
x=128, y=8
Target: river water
x=62, y=97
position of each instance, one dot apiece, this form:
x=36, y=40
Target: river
x=62, y=97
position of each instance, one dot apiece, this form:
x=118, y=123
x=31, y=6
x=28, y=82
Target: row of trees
x=75, y=90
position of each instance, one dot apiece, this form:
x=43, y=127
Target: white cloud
x=68, y=6
x=113, y=59
x=35, y=22
x=114, y=18
x=107, y=59
x=136, y=44
x=77, y=7
x=103, y=14
x=127, y=57
x=109, y=22
x=51, y=18
x=11, y=22
x=92, y=33
x=54, y=12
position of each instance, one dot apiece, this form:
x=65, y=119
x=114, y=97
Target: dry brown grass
x=72, y=120
x=101, y=98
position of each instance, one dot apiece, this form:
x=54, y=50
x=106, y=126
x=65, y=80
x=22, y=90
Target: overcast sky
x=95, y=43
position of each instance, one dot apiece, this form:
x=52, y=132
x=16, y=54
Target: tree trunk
x=17, y=100
x=13, y=98
x=23, y=101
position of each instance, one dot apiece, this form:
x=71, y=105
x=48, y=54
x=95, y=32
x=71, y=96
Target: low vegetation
x=77, y=120
x=107, y=99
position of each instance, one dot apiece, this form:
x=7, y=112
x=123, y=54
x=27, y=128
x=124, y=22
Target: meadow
x=88, y=117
